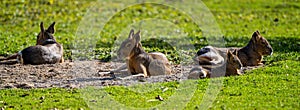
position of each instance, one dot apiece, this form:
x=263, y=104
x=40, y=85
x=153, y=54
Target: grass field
x=275, y=86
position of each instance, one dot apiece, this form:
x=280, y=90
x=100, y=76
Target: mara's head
x=127, y=47
x=233, y=62
x=46, y=35
x=261, y=44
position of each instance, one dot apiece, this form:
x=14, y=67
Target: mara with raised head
x=252, y=54
x=46, y=51
x=139, y=61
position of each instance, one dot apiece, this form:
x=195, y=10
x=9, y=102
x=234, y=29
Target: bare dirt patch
x=73, y=75
x=77, y=75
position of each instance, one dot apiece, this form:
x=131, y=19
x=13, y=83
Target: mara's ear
x=235, y=52
x=229, y=55
x=257, y=32
x=256, y=36
x=42, y=27
x=137, y=36
x=131, y=33
x=51, y=28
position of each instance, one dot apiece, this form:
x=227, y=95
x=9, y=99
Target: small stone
x=25, y=86
x=165, y=89
x=51, y=70
x=159, y=98
x=42, y=98
x=4, y=71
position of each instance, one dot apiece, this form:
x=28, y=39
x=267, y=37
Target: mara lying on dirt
x=252, y=54
x=139, y=61
x=213, y=63
x=46, y=50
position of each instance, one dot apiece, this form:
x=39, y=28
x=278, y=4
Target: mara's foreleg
x=14, y=56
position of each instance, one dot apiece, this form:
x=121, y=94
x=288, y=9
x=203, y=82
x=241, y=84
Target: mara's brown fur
x=46, y=50
x=252, y=54
x=139, y=61
x=212, y=63
x=233, y=65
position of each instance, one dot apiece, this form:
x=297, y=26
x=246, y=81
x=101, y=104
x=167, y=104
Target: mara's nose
x=270, y=51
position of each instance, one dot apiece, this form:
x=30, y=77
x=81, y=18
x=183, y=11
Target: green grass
x=266, y=88
x=275, y=86
x=41, y=99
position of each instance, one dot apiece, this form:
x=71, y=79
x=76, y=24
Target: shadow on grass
x=279, y=44
x=284, y=44
x=157, y=43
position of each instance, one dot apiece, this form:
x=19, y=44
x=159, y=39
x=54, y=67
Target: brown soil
x=72, y=75
x=76, y=75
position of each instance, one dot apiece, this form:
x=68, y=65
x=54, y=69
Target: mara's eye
x=128, y=45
